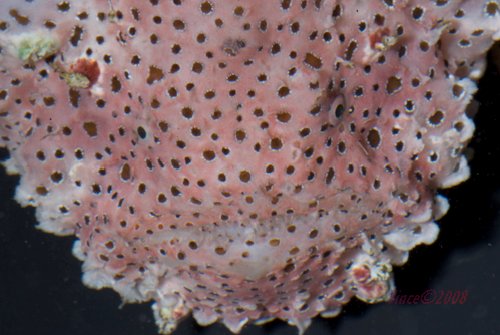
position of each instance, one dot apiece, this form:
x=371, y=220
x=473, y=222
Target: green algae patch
x=76, y=80
x=34, y=47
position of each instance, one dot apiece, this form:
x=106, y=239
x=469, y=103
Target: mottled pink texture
x=240, y=160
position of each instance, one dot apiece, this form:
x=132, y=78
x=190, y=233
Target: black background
x=41, y=292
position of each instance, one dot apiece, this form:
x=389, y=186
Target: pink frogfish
x=241, y=161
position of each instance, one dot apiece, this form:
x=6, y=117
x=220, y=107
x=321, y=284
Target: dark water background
x=41, y=292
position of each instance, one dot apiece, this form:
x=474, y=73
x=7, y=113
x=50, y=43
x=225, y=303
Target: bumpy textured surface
x=240, y=160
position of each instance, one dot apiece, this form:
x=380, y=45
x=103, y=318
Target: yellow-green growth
x=35, y=47
x=75, y=80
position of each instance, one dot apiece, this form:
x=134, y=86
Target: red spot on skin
x=378, y=36
x=361, y=274
x=375, y=290
x=87, y=67
x=370, y=288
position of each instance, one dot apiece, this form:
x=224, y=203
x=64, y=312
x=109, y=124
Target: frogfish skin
x=241, y=161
